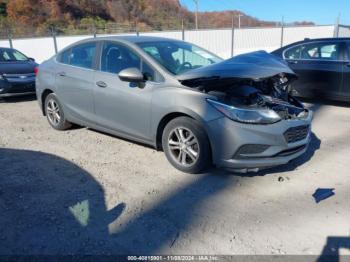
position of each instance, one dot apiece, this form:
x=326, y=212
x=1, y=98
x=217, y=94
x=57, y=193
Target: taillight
x=36, y=71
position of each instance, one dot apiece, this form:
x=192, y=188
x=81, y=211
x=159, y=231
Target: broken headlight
x=248, y=116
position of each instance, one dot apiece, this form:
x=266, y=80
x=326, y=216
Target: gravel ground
x=83, y=192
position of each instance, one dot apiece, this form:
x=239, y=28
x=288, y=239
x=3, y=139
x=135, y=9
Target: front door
x=123, y=106
x=345, y=91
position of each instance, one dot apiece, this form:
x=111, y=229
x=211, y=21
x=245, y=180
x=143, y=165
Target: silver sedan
x=199, y=109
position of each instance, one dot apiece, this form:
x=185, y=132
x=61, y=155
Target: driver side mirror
x=133, y=75
x=31, y=59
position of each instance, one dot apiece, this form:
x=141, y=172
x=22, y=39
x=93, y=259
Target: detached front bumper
x=245, y=147
x=16, y=86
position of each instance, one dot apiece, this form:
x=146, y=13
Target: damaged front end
x=252, y=88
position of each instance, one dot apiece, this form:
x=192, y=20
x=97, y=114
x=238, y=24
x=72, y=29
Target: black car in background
x=322, y=66
x=17, y=73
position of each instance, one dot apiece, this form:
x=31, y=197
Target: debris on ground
x=323, y=193
x=280, y=179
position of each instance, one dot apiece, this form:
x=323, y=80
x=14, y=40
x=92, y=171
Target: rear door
x=318, y=66
x=346, y=67
x=75, y=80
x=122, y=106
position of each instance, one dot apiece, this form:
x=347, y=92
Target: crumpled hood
x=255, y=66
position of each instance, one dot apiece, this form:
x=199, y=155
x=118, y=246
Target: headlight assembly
x=248, y=116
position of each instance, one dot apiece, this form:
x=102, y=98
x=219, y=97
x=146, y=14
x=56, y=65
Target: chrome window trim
x=77, y=67
x=338, y=41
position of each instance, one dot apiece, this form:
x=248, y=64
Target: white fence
x=218, y=41
x=344, y=31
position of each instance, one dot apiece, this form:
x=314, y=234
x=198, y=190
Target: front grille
x=295, y=134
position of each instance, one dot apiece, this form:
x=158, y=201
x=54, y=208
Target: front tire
x=186, y=145
x=54, y=113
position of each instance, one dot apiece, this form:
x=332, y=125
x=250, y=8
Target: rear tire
x=54, y=113
x=186, y=145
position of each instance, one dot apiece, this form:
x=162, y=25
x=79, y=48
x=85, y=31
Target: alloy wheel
x=183, y=146
x=53, y=112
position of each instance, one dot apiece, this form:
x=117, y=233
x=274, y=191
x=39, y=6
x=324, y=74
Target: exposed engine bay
x=254, y=80
x=271, y=93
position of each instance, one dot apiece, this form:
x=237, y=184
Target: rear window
x=64, y=57
x=80, y=56
x=11, y=55
x=83, y=55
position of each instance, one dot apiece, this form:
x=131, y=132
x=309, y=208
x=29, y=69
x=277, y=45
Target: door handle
x=292, y=62
x=101, y=84
x=62, y=74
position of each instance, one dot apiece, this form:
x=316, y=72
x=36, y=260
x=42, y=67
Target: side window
x=83, y=55
x=117, y=57
x=348, y=44
x=293, y=53
x=64, y=57
x=315, y=51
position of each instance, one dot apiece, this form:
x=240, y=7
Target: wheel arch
x=169, y=117
x=44, y=94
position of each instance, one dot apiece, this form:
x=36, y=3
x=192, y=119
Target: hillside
x=33, y=17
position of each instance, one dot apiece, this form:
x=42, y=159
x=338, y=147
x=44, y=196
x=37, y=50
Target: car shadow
x=51, y=206
x=18, y=99
x=315, y=144
x=331, y=251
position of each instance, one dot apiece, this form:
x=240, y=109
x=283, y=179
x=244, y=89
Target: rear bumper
x=228, y=138
x=9, y=89
x=16, y=94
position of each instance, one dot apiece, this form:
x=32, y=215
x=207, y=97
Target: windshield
x=11, y=55
x=178, y=57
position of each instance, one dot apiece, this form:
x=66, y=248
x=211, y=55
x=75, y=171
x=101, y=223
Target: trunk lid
x=17, y=67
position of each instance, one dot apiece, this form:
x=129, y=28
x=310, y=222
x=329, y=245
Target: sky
x=317, y=11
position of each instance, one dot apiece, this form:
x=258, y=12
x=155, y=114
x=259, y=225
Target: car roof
x=128, y=39
x=132, y=39
x=5, y=48
x=310, y=40
x=327, y=39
